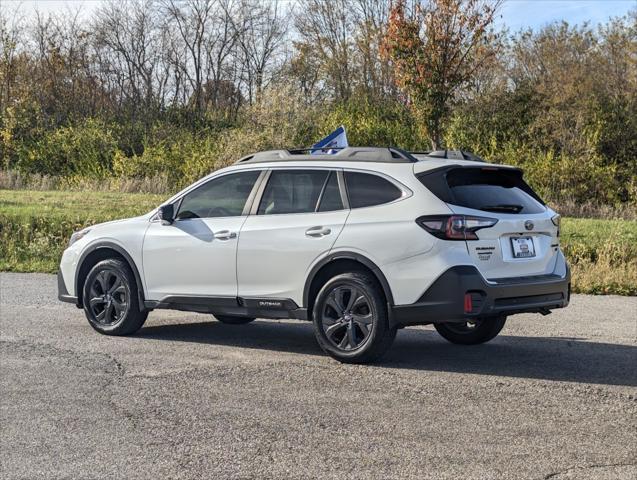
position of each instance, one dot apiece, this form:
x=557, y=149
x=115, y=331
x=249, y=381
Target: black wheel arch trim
x=63, y=293
x=346, y=255
x=123, y=253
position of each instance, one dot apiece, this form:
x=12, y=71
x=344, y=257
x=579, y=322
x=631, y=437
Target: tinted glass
x=365, y=190
x=292, y=191
x=331, y=199
x=222, y=197
x=492, y=191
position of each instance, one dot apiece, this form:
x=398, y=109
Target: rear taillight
x=455, y=227
x=557, y=220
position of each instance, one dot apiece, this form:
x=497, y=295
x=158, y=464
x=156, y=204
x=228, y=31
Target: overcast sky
x=516, y=14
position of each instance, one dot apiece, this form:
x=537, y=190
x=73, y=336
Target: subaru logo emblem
x=528, y=225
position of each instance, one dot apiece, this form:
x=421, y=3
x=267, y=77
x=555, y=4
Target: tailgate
x=523, y=242
x=516, y=246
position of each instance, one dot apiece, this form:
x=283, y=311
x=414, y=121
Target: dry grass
x=570, y=208
x=602, y=255
x=603, y=277
x=13, y=180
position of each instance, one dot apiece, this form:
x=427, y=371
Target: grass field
x=35, y=227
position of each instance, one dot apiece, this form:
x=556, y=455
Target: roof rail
x=349, y=154
x=298, y=151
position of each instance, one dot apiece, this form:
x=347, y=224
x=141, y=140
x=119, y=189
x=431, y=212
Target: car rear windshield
x=487, y=188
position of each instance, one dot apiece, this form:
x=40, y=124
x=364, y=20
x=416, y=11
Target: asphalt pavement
x=188, y=397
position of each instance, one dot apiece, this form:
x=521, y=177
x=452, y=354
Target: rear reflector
x=468, y=304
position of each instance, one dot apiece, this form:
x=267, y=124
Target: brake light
x=455, y=227
x=557, y=220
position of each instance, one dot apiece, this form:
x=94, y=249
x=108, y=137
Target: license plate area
x=523, y=247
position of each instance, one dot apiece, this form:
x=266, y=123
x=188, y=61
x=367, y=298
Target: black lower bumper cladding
x=444, y=301
x=63, y=293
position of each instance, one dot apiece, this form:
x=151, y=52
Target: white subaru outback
x=361, y=243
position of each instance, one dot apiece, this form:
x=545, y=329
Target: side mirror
x=167, y=214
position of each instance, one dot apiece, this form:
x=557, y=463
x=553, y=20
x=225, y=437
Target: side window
x=221, y=197
x=292, y=191
x=366, y=190
x=331, y=198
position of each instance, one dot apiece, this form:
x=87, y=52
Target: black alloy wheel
x=110, y=298
x=350, y=318
x=347, y=317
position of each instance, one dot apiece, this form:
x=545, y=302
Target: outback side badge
x=270, y=303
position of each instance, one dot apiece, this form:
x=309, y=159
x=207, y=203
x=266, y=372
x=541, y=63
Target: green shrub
x=86, y=149
x=164, y=159
x=563, y=177
x=557, y=176
x=373, y=124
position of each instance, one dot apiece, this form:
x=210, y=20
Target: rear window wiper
x=503, y=208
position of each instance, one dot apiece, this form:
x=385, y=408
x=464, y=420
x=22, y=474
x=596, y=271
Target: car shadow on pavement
x=294, y=337
x=547, y=358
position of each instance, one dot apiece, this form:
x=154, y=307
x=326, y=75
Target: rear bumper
x=63, y=294
x=444, y=301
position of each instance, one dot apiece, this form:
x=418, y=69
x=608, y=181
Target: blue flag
x=336, y=139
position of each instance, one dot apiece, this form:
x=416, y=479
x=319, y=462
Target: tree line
x=176, y=88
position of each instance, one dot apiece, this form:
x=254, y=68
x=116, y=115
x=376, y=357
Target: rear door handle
x=225, y=235
x=317, y=232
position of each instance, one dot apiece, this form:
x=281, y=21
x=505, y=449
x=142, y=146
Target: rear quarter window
x=486, y=189
x=367, y=190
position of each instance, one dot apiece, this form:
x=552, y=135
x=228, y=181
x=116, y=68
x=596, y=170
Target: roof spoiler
x=451, y=155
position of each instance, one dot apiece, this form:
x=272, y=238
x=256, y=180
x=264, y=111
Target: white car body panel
x=275, y=253
x=126, y=234
x=186, y=258
x=389, y=236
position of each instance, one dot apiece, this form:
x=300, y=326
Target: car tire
x=233, y=320
x=350, y=318
x=110, y=299
x=483, y=330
